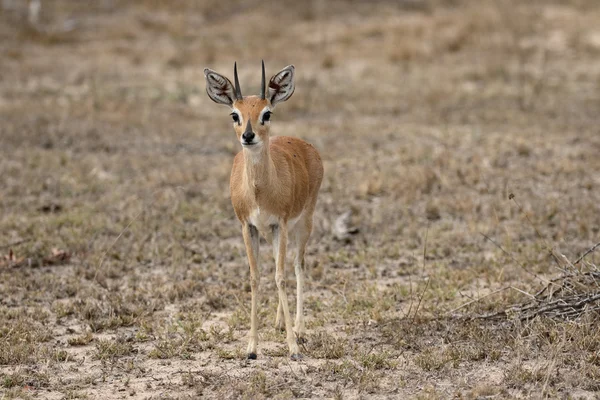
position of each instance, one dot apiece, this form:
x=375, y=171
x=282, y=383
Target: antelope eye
x=235, y=117
x=266, y=117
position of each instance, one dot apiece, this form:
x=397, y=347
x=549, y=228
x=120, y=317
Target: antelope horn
x=238, y=89
x=262, y=83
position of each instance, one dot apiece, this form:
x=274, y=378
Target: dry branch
x=594, y=247
x=575, y=294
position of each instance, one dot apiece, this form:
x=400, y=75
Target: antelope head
x=251, y=114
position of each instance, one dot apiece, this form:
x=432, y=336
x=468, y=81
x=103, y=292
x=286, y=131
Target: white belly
x=263, y=220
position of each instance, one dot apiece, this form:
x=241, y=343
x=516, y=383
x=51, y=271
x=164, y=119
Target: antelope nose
x=248, y=136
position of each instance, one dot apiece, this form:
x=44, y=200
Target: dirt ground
x=461, y=139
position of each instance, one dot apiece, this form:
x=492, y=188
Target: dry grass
x=122, y=270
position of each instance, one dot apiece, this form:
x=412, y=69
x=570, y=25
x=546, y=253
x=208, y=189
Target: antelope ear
x=281, y=85
x=219, y=88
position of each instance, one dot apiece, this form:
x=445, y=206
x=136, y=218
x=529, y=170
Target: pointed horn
x=262, y=83
x=238, y=89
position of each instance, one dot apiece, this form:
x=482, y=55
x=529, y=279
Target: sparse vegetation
x=122, y=270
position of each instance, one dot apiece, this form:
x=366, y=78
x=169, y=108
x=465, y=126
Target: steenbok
x=274, y=186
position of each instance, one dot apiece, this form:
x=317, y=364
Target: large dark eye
x=266, y=117
x=235, y=117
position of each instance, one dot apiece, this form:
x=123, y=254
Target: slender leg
x=279, y=322
x=251, y=240
x=280, y=246
x=301, y=237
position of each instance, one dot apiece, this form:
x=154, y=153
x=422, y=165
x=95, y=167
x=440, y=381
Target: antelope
x=274, y=185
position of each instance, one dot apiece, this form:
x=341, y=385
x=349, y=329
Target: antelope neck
x=259, y=168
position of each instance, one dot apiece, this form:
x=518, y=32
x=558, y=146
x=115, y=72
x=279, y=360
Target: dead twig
x=594, y=247
x=477, y=300
x=514, y=259
x=16, y=243
x=115, y=242
x=410, y=306
x=549, y=248
x=422, y=272
x=591, y=274
x=135, y=218
x=523, y=292
x=565, y=308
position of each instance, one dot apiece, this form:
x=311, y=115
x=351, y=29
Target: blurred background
x=115, y=164
x=422, y=109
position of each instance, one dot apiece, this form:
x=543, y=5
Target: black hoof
x=296, y=357
x=251, y=356
x=280, y=329
x=301, y=340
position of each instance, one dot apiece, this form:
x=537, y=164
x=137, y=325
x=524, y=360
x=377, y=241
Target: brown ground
x=122, y=269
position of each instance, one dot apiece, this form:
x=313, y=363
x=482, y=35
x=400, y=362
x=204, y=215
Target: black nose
x=248, y=136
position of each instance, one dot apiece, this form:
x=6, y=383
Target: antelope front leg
x=279, y=250
x=279, y=322
x=251, y=240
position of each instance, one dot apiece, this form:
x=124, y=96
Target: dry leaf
x=11, y=261
x=58, y=257
x=341, y=228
